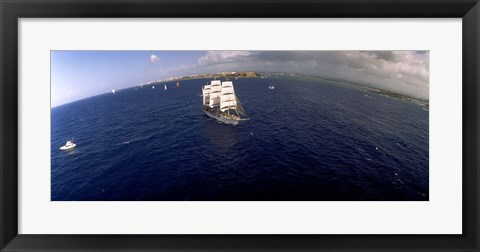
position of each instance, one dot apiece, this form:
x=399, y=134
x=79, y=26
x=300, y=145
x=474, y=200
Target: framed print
x=225, y=125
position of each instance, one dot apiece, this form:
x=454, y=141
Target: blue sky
x=80, y=74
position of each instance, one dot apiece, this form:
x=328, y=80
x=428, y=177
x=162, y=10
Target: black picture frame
x=12, y=10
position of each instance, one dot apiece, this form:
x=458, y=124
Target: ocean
x=306, y=140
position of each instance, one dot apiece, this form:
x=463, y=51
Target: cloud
x=405, y=72
x=212, y=61
x=154, y=58
x=218, y=57
x=401, y=71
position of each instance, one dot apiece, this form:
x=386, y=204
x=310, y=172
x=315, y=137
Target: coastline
x=250, y=74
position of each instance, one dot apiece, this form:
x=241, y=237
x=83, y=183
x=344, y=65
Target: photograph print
x=239, y=125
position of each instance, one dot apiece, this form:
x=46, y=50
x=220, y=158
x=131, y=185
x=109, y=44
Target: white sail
x=228, y=102
x=214, y=99
x=215, y=92
x=228, y=99
x=227, y=90
x=215, y=83
x=227, y=84
x=206, y=90
x=206, y=95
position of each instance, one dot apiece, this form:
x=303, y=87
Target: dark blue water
x=306, y=140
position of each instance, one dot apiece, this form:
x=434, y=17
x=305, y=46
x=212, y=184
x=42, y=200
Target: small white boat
x=271, y=86
x=70, y=145
x=165, y=86
x=113, y=91
x=153, y=87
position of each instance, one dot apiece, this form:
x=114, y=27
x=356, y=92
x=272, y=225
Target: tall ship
x=221, y=103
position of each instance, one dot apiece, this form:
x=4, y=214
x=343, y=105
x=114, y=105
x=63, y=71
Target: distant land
x=250, y=74
x=367, y=87
x=230, y=75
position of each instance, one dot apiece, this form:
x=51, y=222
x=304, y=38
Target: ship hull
x=221, y=119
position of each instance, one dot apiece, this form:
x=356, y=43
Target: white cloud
x=154, y=58
x=402, y=71
x=217, y=57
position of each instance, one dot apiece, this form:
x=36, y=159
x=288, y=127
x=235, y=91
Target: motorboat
x=70, y=145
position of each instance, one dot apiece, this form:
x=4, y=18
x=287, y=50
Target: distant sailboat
x=271, y=86
x=153, y=87
x=113, y=91
x=178, y=85
x=165, y=87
